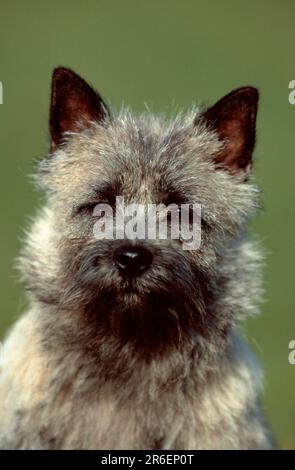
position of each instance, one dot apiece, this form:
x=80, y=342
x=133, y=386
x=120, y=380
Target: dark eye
x=195, y=218
x=88, y=208
x=174, y=211
x=178, y=211
x=84, y=209
x=204, y=224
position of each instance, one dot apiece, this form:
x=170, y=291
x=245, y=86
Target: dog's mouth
x=147, y=295
x=153, y=308
x=148, y=284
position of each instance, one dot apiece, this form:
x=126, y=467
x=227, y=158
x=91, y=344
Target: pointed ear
x=74, y=105
x=233, y=118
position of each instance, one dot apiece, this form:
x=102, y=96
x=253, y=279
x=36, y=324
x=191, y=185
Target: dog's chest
x=107, y=419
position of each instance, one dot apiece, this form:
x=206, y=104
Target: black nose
x=133, y=260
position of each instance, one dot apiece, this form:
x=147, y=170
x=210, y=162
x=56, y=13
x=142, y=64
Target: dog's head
x=102, y=164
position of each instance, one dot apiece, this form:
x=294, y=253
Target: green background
x=162, y=53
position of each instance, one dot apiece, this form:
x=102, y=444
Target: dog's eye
x=186, y=215
x=181, y=212
x=174, y=212
x=90, y=208
x=84, y=209
x=197, y=218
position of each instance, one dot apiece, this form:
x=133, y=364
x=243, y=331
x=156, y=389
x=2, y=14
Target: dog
x=134, y=343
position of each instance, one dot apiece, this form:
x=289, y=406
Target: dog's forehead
x=144, y=157
x=140, y=163
x=151, y=147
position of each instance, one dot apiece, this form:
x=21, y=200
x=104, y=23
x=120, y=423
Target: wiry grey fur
x=95, y=364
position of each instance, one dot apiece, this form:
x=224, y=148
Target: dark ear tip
x=245, y=98
x=246, y=93
x=62, y=73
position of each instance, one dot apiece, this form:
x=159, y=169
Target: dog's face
x=150, y=284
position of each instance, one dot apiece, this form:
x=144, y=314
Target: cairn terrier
x=133, y=343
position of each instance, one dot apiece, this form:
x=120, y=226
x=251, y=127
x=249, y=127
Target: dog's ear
x=233, y=118
x=74, y=105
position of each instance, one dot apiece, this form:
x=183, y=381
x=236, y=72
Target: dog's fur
x=101, y=363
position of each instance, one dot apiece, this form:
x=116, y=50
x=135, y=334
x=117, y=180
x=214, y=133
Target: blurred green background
x=163, y=53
